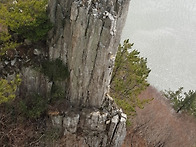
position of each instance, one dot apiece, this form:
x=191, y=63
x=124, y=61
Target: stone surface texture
x=91, y=127
x=85, y=37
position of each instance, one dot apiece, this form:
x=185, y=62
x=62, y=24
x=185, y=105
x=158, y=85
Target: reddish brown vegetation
x=158, y=125
x=16, y=133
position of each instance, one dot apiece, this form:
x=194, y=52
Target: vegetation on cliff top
x=20, y=20
x=28, y=19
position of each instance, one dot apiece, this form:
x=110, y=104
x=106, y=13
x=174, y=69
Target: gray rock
x=36, y=52
x=57, y=121
x=89, y=39
x=85, y=36
x=96, y=121
x=94, y=127
x=13, y=62
x=70, y=123
x=6, y=62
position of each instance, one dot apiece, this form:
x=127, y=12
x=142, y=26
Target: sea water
x=164, y=31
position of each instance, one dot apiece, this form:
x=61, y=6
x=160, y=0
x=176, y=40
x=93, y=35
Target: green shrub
x=6, y=43
x=33, y=107
x=8, y=89
x=27, y=18
x=57, y=93
x=55, y=70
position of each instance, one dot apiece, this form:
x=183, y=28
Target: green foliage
x=176, y=97
x=27, y=18
x=23, y=19
x=6, y=43
x=33, y=107
x=57, y=93
x=36, y=105
x=182, y=101
x=55, y=70
x=129, y=78
x=8, y=89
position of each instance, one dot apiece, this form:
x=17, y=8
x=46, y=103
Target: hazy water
x=164, y=31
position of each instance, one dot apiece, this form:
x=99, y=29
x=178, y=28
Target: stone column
x=85, y=36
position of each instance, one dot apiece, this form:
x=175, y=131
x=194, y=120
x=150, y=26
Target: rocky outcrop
x=90, y=127
x=85, y=36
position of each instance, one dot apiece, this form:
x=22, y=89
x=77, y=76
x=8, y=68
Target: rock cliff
x=85, y=36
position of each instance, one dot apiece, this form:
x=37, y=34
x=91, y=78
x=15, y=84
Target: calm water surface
x=164, y=31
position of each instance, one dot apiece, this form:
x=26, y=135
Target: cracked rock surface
x=91, y=127
x=85, y=36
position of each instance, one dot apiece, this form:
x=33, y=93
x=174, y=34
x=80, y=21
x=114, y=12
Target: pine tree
x=129, y=77
x=182, y=102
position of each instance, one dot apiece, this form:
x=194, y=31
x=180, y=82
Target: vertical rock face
x=86, y=35
x=91, y=127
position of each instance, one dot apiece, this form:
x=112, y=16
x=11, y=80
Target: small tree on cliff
x=129, y=78
x=182, y=102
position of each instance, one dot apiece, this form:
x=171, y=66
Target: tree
x=182, y=102
x=129, y=78
x=27, y=18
